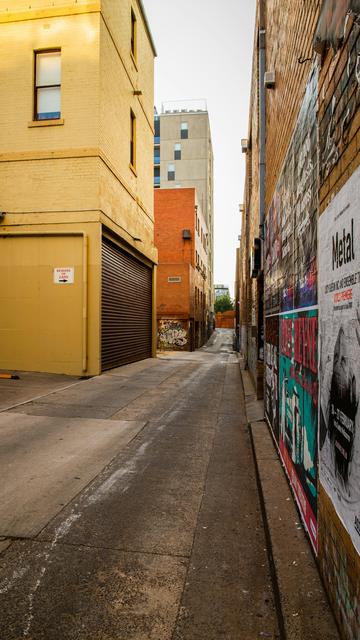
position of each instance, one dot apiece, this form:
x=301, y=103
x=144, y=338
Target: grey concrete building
x=183, y=158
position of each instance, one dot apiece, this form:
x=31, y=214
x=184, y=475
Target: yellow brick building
x=77, y=256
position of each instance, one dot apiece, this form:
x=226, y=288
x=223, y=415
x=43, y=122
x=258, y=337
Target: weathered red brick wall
x=182, y=270
x=225, y=320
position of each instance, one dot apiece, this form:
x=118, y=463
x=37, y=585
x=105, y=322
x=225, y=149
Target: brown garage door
x=126, y=308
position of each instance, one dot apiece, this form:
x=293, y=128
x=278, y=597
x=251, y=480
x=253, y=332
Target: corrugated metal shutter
x=126, y=308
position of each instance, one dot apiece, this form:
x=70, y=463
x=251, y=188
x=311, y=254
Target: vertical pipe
x=85, y=303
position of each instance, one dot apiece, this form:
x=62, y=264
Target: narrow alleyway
x=162, y=538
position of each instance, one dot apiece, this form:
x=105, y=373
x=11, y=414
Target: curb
x=300, y=599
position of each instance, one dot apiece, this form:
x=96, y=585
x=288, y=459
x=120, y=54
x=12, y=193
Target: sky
x=204, y=51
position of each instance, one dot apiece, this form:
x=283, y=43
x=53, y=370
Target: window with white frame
x=47, y=90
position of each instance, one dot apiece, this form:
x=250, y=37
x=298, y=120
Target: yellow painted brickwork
x=80, y=83
x=74, y=174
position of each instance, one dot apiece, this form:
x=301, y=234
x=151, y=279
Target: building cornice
x=49, y=12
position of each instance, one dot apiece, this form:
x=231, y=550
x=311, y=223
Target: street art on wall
x=172, y=334
x=291, y=229
x=340, y=107
x=332, y=23
x=298, y=399
x=272, y=373
x=339, y=306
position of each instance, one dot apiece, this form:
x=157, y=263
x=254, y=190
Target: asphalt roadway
x=130, y=507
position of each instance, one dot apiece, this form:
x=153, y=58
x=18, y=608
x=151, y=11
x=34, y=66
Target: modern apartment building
x=77, y=250
x=181, y=238
x=221, y=290
x=183, y=158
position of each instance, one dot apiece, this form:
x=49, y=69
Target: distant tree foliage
x=223, y=303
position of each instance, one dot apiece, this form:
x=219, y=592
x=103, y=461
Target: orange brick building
x=181, y=237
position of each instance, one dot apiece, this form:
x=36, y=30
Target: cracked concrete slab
x=57, y=591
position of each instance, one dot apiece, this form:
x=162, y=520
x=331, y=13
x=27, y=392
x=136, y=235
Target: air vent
x=186, y=234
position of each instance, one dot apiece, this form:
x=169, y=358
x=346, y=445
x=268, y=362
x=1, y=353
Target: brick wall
x=339, y=178
x=312, y=276
x=177, y=210
x=225, y=320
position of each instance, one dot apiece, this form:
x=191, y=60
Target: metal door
x=126, y=318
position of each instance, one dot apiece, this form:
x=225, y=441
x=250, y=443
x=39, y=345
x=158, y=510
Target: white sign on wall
x=339, y=313
x=64, y=275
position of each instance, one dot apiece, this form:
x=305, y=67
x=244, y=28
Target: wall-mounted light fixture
x=244, y=145
x=269, y=79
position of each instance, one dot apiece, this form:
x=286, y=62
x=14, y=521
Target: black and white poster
x=339, y=313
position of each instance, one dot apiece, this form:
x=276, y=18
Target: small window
x=156, y=177
x=132, y=139
x=157, y=129
x=171, y=172
x=47, y=85
x=184, y=131
x=133, y=34
x=177, y=151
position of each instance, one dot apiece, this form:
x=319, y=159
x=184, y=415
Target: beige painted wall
x=41, y=324
x=71, y=176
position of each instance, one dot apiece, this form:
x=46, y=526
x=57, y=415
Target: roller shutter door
x=126, y=317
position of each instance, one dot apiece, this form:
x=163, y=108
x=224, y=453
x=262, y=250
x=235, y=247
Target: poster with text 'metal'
x=298, y=399
x=339, y=308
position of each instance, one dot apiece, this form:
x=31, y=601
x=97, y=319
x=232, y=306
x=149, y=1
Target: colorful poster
x=291, y=226
x=272, y=373
x=298, y=400
x=339, y=308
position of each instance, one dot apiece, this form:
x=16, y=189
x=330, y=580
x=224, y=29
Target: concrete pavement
x=129, y=508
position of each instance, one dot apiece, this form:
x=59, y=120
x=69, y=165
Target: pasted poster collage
x=291, y=327
x=339, y=308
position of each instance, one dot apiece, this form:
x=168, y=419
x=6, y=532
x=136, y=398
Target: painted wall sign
x=339, y=306
x=272, y=373
x=340, y=107
x=64, y=275
x=298, y=396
